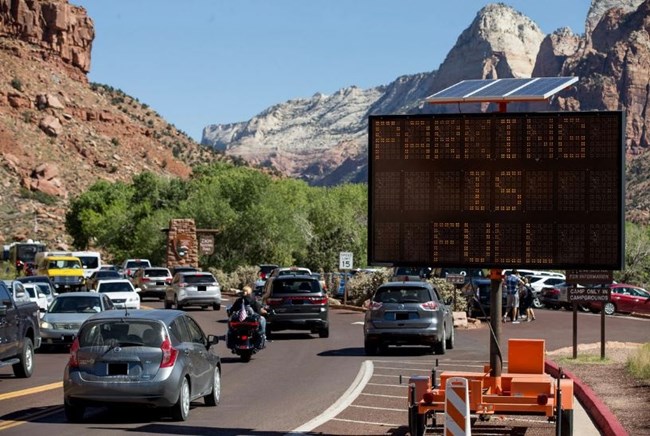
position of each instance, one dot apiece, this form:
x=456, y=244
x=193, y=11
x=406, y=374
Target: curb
x=597, y=410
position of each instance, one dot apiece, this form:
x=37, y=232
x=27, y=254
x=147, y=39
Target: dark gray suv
x=297, y=302
x=408, y=313
x=154, y=358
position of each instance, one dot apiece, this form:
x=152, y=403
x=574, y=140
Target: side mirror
x=41, y=295
x=212, y=340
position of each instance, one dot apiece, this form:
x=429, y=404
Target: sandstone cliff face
x=500, y=42
x=614, y=70
x=58, y=133
x=54, y=25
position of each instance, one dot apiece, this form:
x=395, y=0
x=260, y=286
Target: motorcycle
x=243, y=337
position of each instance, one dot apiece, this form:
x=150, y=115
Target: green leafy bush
x=237, y=279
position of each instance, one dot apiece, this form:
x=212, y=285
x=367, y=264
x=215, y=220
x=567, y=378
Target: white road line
x=348, y=397
x=382, y=396
x=380, y=424
x=378, y=408
x=390, y=386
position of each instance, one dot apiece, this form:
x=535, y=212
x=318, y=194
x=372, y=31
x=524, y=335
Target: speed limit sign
x=345, y=260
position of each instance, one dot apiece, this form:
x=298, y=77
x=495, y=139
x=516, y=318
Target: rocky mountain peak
x=500, y=41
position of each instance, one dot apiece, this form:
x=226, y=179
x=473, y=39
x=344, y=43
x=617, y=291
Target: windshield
x=105, y=287
x=76, y=305
x=90, y=262
x=44, y=288
x=69, y=263
x=158, y=272
x=107, y=274
x=30, y=291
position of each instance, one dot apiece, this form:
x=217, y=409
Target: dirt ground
x=626, y=397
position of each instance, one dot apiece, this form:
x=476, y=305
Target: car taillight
x=429, y=305
x=318, y=300
x=375, y=305
x=169, y=354
x=168, y=280
x=263, y=276
x=145, y=279
x=182, y=285
x=274, y=301
x=73, y=362
x=237, y=324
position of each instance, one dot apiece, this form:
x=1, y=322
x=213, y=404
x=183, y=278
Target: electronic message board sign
x=497, y=190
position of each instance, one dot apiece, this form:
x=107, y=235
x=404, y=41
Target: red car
x=624, y=299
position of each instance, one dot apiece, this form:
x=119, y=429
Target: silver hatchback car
x=408, y=313
x=193, y=288
x=154, y=358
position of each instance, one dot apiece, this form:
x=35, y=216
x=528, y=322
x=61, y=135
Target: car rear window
x=199, y=278
x=117, y=332
x=132, y=264
x=294, y=272
x=156, y=272
x=105, y=287
x=295, y=286
x=402, y=295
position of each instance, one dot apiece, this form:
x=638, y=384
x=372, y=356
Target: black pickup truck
x=19, y=332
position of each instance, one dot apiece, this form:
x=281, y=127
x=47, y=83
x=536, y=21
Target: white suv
x=130, y=266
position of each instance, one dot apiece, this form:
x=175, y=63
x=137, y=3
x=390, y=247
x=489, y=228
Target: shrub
x=242, y=276
x=639, y=363
x=17, y=84
x=362, y=285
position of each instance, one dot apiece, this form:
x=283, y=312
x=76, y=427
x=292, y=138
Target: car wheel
x=324, y=332
x=370, y=347
x=537, y=304
x=181, y=410
x=609, y=308
x=451, y=340
x=25, y=367
x=212, y=399
x=216, y=306
x=73, y=413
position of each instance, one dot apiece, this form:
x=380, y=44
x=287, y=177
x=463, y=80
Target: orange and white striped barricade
x=457, y=419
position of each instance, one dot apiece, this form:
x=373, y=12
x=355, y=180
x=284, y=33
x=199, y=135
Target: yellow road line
x=34, y=416
x=31, y=390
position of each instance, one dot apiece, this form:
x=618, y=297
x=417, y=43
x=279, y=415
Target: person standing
x=528, y=296
x=513, y=281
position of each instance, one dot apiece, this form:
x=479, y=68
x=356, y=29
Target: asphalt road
x=297, y=378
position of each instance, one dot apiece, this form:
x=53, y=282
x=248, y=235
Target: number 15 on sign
x=345, y=260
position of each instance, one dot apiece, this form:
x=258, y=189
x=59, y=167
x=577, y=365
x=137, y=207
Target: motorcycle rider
x=247, y=299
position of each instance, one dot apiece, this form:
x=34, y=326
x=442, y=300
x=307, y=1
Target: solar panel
x=462, y=88
x=509, y=89
x=500, y=87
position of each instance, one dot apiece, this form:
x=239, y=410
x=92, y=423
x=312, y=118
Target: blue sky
x=200, y=62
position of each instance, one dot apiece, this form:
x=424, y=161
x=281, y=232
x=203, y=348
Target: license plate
x=400, y=316
x=201, y=288
x=118, y=369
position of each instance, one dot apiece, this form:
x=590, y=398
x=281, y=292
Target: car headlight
x=46, y=325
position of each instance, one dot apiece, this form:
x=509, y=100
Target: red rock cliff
x=53, y=25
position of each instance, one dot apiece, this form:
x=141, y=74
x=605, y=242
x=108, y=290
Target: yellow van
x=66, y=272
